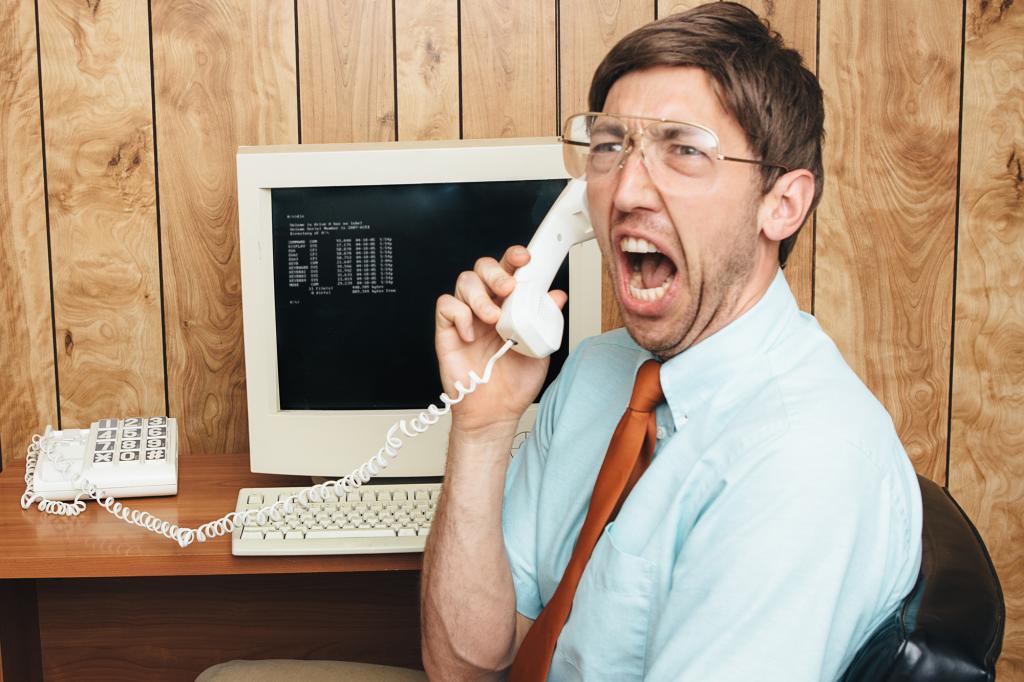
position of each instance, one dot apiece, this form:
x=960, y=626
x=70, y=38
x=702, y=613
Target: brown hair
x=762, y=83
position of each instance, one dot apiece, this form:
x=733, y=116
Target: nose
x=634, y=187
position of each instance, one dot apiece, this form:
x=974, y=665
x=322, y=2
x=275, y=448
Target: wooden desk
x=95, y=598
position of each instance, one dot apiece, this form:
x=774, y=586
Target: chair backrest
x=950, y=626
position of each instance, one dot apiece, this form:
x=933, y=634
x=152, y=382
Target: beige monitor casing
x=334, y=443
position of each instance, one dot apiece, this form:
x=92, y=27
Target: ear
x=783, y=209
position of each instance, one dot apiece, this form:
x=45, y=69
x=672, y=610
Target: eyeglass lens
x=595, y=145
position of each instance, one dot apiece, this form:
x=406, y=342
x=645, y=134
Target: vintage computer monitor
x=344, y=250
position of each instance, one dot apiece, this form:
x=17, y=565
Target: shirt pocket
x=605, y=637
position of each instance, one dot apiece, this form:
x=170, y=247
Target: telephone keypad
x=133, y=440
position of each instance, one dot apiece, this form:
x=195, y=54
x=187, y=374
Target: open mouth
x=650, y=273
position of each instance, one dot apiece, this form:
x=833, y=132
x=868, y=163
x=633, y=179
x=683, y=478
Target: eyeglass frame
x=719, y=156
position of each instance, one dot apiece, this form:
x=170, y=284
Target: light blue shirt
x=778, y=524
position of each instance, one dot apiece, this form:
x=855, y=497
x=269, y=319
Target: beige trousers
x=286, y=670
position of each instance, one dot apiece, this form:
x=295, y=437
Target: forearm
x=468, y=602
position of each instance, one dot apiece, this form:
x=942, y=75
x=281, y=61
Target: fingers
x=471, y=289
x=515, y=257
x=451, y=312
x=479, y=292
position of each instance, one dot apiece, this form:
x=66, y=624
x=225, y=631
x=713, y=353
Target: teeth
x=637, y=245
x=637, y=291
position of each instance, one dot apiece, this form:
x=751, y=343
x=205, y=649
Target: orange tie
x=629, y=453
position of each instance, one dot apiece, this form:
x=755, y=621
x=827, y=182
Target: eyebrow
x=608, y=127
x=680, y=132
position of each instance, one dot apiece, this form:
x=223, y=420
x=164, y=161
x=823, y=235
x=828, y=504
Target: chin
x=654, y=336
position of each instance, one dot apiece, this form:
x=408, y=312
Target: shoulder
x=600, y=363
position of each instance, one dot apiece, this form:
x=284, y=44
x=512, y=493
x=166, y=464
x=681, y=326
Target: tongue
x=655, y=269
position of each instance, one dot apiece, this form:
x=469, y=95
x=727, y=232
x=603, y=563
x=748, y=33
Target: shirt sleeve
x=797, y=556
x=523, y=484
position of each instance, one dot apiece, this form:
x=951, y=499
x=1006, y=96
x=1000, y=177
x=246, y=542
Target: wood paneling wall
x=118, y=223
x=986, y=445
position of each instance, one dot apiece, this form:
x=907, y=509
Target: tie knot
x=647, y=390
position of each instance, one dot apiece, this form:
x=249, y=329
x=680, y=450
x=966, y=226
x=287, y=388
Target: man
x=778, y=521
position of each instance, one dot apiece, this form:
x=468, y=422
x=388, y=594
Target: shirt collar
x=690, y=378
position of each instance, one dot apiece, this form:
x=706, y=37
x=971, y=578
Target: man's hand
x=465, y=339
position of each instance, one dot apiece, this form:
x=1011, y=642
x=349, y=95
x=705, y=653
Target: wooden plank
x=508, y=68
x=203, y=52
x=427, y=50
x=346, y=70
x=99, y=545
x=986, y=455
x=103, y=225
x=28, y=395
x=587, y=30
x=170, y=629
x=796, y=21
x=883, y=285
x=19, y=632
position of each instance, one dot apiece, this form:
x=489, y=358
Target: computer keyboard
x=375, y=519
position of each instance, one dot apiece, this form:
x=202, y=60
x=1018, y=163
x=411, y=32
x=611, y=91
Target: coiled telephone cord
x=227, y=524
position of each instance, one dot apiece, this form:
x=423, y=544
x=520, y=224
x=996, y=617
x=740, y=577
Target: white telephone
x=125, y=457
x=529, y=317
x=131, y=457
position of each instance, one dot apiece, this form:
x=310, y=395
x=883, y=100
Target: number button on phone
x=106, y=434
x=103, y=458
x=104, y=446
x=129, y=457
x=156, y=443
x=157, y=421
x=131, y=444
x=134, y=434
x=156, y=455
x=133, y=422
x=107, y=423
x=156, y=431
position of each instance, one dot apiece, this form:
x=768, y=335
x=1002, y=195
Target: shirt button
x=661, y=432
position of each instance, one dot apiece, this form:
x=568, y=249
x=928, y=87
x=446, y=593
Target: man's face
x=706, y=234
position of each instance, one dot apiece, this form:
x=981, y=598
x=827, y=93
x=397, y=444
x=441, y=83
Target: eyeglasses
x=596, y=145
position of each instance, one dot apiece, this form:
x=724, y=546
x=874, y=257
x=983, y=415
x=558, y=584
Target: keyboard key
x=255, y=498
x=252, y=535
x=368, y=533
x=294, y=535
x=324, y=534
x=399, y=496
x=422, y=495
x=423, y=531
x=274, y=535
x=406, y=532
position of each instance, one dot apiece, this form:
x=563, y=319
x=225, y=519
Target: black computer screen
x=357, y=272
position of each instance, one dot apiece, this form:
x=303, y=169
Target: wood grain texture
x=346, y=70
x=427, y=49
x=19, y=632
x=28, y=394
x=986, y=467
x=797, y=22
x=587, y=30
x=97, y=545
x=100, y=170
x=508, y=68
x=224, y=76
x=170, y=629
x=883, y=285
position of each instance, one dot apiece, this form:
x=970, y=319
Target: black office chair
x=950, y=626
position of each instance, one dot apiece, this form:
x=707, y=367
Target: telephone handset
x=529, y=317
